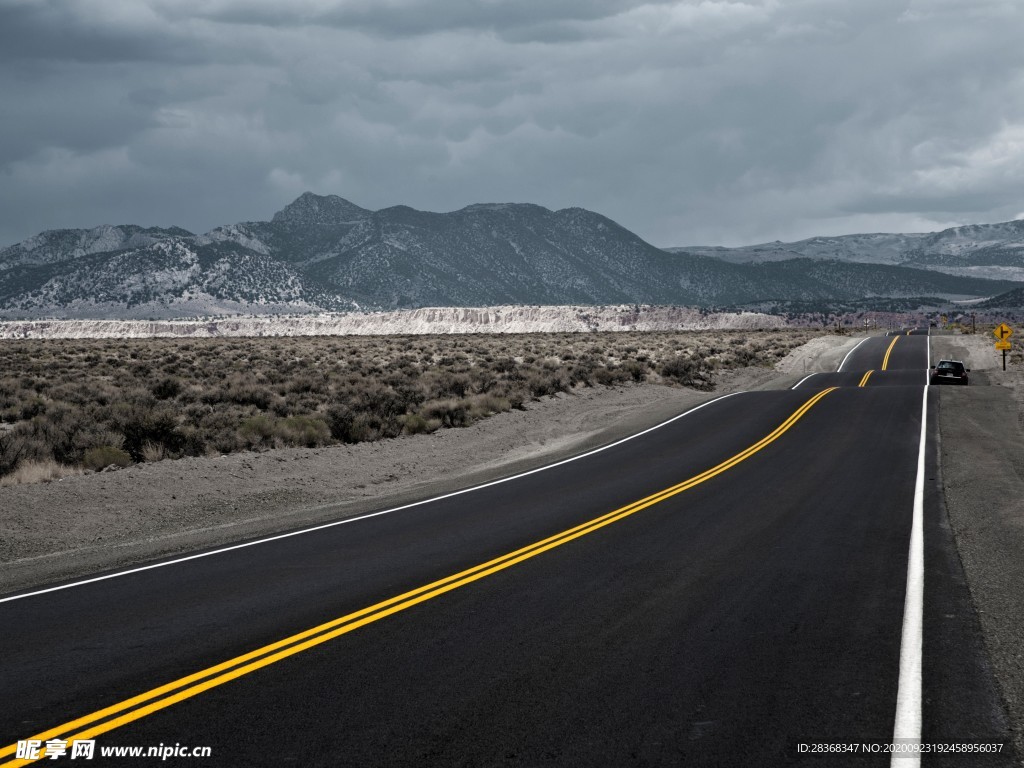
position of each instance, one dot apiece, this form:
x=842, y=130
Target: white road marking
x=850, y=353
x=907, y=728
x=362, y=517
x=928, y=365
x=805, y=378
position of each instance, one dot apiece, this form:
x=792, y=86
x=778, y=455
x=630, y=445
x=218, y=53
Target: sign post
x=1003, y=332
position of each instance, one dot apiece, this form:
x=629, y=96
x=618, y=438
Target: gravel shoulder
x=981, y=454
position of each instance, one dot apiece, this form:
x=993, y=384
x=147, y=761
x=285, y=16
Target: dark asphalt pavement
x=724, y=625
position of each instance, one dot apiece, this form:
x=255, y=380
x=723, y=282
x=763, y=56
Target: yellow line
x=239, y=666
x=864, y=381
x=885, y=360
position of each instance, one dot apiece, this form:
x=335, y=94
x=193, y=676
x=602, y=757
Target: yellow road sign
x=1003, y=345
x=1003, y=332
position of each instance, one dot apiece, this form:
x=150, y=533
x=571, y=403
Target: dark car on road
x=949, y=372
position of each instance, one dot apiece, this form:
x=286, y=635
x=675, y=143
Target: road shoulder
x=982, y=466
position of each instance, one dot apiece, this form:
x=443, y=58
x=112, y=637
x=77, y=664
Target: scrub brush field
x=73, y=406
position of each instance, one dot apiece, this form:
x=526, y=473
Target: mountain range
x=326, y=253
x=995, y=251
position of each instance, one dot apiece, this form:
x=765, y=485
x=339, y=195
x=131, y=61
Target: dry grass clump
x=95, y=403
x=44, y=471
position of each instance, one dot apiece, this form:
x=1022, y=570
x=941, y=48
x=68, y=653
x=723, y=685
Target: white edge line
x=805, y=378
x=928, y=369
x=907, y=726
x=850, y=353
x=362, y=517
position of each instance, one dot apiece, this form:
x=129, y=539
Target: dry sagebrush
x=96, y=403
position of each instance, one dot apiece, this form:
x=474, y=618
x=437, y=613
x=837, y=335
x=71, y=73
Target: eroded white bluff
x=428, y=320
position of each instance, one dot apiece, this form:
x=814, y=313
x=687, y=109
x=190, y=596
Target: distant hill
x=994, y=251
x=326, y=253
x=1010, y=300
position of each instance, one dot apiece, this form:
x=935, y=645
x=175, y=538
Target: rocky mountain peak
x=319, y=210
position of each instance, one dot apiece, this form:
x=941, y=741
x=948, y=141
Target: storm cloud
x=700, y=122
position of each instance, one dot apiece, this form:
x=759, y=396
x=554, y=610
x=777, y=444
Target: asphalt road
x=716, y=591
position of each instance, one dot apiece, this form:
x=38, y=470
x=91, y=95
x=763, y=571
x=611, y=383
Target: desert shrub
x=742, y=356
x=354, y=425
x=582, y=373
x=257, y=430
x=103, y=456
x=305, y=382
x=635, y=370
x=547, y=382
x=380, y=400
x=11, y=450
x=210, y=396
x=447, y=384
x=281, y=406
x=367, y=427
x=610, y=375
x=451, y=413
x=306, y=431
x=33, y=408
x=66, y=431
x=225, y=442
x=688, y=371
x=340, y=418
x=194, y=441
x=144, y=422
x=263, y=430
x=415, y=424
x=10, y=392
x=249, y=394
x=483, y=380
x=483, y=405
x=368, y=410
x=407, y=394
x=167, y=388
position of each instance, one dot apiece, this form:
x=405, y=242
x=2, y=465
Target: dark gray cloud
x=404, y=18
x=704, y=121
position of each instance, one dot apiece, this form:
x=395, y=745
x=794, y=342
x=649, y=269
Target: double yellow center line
x=137, y=707
x=864, y=381
x=885, y=360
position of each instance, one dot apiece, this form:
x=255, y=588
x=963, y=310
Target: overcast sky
x=697, y=122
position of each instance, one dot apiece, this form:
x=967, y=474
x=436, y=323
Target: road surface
x=716, y=591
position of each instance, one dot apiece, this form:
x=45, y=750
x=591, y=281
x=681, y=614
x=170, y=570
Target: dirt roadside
x=981, y=455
